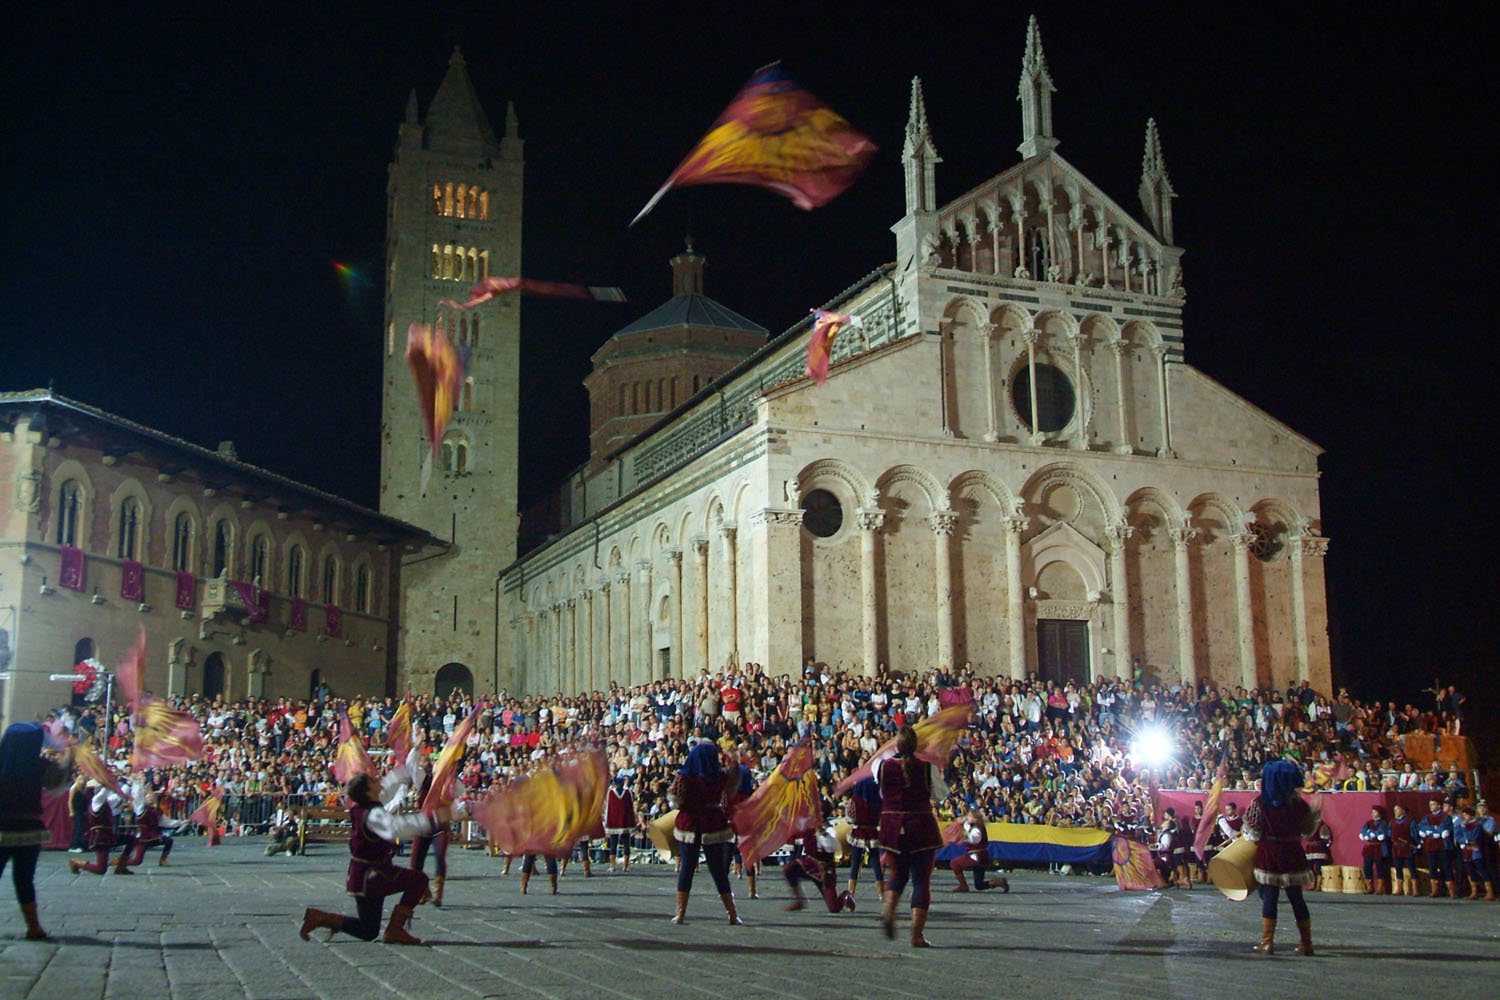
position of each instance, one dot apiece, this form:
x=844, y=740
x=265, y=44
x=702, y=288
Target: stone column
x=555, y=678
x=1300, y=546
x=623, y=674
x=1104, y=244
x=1182, y=538
x=995, y=238
x=602, y=658
x=570, y=663
x=1119, y=536
x=1244, y=612
x=700, y=563
x=942, y=522
x=1032, y=337
x=1125, y=262
x=584, y=651
x=987, y=330
x=674, y=557
x=1120, y=349
x=731, y=571
x=777, y=559
x=870, y=523
x=1015, y=598
x=1161, y=392
x=1310, y=605
x=646, y=671
x=1081, y=396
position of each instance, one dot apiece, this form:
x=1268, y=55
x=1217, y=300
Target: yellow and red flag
x=441, y=792
x=437, y=368
x=551, y=809
x=1133, y=866
x=164, y=736
x=784, y=807
x=1211, y=807
x=352, y=757
x=207, y=815
x=89, y=763
x=937, y=735
x=398, y=733
x=826, y=327
x=775, y=135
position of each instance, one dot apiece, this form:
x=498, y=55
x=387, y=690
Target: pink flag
x=89, y=763
x=1211, y=807
x=489, y=288
x=1134, y=868
x=165, y=736
x=131, y=672
x=437, y=371
x=441, y=792
x=937, y=735
x=820, y=345
x=352, y=758
x=784, y=807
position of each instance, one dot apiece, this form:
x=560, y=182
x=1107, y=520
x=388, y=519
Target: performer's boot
x=564, y=868
x=1398, y=886
x=1002, y=883
x=1433, y=888
x=75, y=866
x=273, y=850
x=1304, y=931
x=1411, y=885
x=161, y=862
x=847, y=899
x=525, y=877
x=1267, y=944
x=1380, y=887
x=1473, y=890
x=753, y=893
x=888, y=915
x=879, y=889
x=727, y=898
x=918, y=922
x=395, y=931
x=437, y=890
x=963, y=883
x=506, y=869
x=588, y=866
x=1453, y=892
x=119, y=865
x=798, y=901
x=34, y=930
x=314, y=919
x=553, y=879
x=1489, y=890
x=681, y=917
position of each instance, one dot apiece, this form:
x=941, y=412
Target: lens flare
x=1152, y=747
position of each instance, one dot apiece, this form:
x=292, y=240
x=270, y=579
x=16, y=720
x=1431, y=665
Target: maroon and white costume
x=817, y=865
x=1277, y=832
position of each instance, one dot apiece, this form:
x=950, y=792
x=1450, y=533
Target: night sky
x=179, y=189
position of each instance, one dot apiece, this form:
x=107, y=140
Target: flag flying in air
x=1133, y=865
x=549, y=810
x=491, y=288
x=441, y=792
x=398, y=733
x=89, y=763
x=352, y=757
x=164, y=736
x=437, y=368
x=937, y=735
x=207, y=815
x=131, y=672
x=826, y=329
x=1211, y=807
x=784, y=807
x=775, y=135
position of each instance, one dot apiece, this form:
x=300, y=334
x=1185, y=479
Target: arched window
x=130, y=528
x=69, y=504
x=330, y=579
x=635, y=397
x=461, y=202
x=696, y=384
x=474, y=202
x=623, y=390
x=484, y=204
x=484, y=265
x=448, y=261
x=182, y=541
x=469, y=393
x=259, y=560
x=448, y=199
x=437, y=262
x=1039, y=261
x=437, y=199
x=461, y=457
x=459, y=255
x=294, y=567
x=673, y=401
x=362, y=589
x=223, y=541
x=447, y=456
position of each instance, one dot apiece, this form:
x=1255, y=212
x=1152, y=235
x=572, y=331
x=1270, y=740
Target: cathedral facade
x=1012, y=464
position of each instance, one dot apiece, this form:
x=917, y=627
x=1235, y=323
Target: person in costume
x=420, y=772
x=1229, y=824
x=102, y=837
x=1375, y=848
x=24, y=775
x=817, y=864
x=149, y=823
x=705, y=793
x=1317, y=847
x=864, y=834
x=282, y=831
x=373, y=876
x=1435, y=830
x=78, y=809
x=1161, y=850
x=976, y=845
x=528, y=868
x=619, y=822
x=1276, y=821
x=1403, y=852
x=909, y=833
x=1473, y=839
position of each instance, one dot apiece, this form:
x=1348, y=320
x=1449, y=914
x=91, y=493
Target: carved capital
x=700, y=546
x=586, y=595
x=571, y=603
x=869, y=520
x=942, y=521
x=1013, y=525
x=623, y=578
x=643, y=566
x=775, y=516
x=604, y=587
x=988, y=329
x=1031, y=337
x=1159, y=352
x=1183, y=535
x=727, y=532
x=1120, y=347
x=674, y=556
x=1312, y=545
x=1243, y=541
x=1118, y=534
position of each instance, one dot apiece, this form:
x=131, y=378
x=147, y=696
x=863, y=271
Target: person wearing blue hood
x=705, y=793
x=1277, y=820
x=24, y=775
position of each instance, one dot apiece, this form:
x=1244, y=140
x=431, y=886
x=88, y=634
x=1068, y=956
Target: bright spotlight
x=1152, y=747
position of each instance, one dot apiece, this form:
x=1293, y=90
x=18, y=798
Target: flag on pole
x=207, y=815
x=1212, y=806
x=491, y=288
x=826, y=328
x=131, y=672
x=441, y=792
x=775, y=135
x=437, y=369
x=1134, y=868
x=89, y=763
x=937, y=735
x=352, y=757
x=398, y=733
x=549, y=810
x=164, y=736
x=784, y=806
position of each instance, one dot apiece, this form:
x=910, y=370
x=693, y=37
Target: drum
x=1232, y=870
x=1354, y=880
x=1333, y=878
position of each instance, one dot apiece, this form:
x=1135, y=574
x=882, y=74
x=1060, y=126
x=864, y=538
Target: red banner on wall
x=187, y=590
x=70, y=568
x=132, y=581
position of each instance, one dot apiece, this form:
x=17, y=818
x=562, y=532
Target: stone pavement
x=222, y=922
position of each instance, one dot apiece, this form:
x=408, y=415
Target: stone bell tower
x=453, y=217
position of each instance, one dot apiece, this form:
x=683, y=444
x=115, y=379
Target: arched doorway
x=453, y=678
x=213, y=676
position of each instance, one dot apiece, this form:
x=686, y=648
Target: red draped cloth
x=187, y=590
x=59, y=822
x=132, y=581
x=70, y=567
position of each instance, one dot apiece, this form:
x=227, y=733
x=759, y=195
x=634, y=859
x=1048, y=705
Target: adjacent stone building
x=246, y=583
x=1012, y=463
